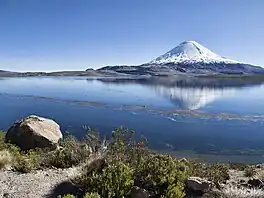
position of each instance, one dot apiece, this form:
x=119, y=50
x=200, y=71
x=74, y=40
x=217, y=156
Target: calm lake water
x=217, y=120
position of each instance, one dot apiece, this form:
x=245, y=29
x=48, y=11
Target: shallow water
x=211, y=119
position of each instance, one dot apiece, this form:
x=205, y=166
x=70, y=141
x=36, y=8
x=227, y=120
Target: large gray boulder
x=34, y=132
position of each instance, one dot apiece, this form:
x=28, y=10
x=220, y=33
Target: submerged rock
x=34, y=132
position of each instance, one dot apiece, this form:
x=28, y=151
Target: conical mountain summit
x=190, y=52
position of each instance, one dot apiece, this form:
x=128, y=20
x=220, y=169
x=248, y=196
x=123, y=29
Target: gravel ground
x=36, y=184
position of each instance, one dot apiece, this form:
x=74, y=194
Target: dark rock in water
x=256, y=183
x=34, y=132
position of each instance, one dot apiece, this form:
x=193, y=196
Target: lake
x=212, y=119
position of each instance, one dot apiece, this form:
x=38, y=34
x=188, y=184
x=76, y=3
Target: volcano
x=190, y=57
x=191, y=52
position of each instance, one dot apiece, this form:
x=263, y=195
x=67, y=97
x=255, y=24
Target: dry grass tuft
x=235, y=192
x=5, y=159
x=249, y=172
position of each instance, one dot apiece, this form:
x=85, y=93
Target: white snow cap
x=190, y=52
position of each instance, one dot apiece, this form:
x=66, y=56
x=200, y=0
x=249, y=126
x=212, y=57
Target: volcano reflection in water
x=193, y=98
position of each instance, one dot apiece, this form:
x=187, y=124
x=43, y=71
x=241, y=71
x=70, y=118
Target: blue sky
x=48, y=35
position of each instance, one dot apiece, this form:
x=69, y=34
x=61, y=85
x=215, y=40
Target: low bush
x=87, y=195
x=20, y=161
x=5, y=159
x=238, y=166
x=163, y=175
x=70, y=153
x=260, y=175
x=25, y=162
x=112, y=181
x=67, y=196
x=249, y=172
x=2, y=140
x=217, y=173
x=128, y=164
x=92, y=195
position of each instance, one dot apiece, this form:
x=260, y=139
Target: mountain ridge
x=189, y=57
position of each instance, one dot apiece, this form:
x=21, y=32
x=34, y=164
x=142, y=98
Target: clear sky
x=52, y=35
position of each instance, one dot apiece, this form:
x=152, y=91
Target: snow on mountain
x=191, y=52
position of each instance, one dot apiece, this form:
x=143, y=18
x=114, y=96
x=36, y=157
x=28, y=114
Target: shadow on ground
x=65, y=188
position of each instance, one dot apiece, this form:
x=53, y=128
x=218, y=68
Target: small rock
x=184, y=160
x=98, y=163
x=137, y=192
x=242, y=181
x=198, y=184
x=6, y=195
x=258, y=166
x=255, y=183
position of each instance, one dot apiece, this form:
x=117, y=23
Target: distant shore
x=114, y=74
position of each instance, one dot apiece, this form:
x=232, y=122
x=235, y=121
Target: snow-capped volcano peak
x=190, y=52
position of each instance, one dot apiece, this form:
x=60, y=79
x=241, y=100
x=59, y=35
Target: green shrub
x=122, y=140
x=87, y=195
x=217, y=173
x=249, y=172
x=25, y=162
x=70, y=153
x=68, y=196
x=162, y=174
x=238, y=166
x=22, y=161
x=260, y=175
x=92, y=195
x=92, y=139
x=2, y=140
x=5, y=159
x=113, y=181
x=174, y=191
